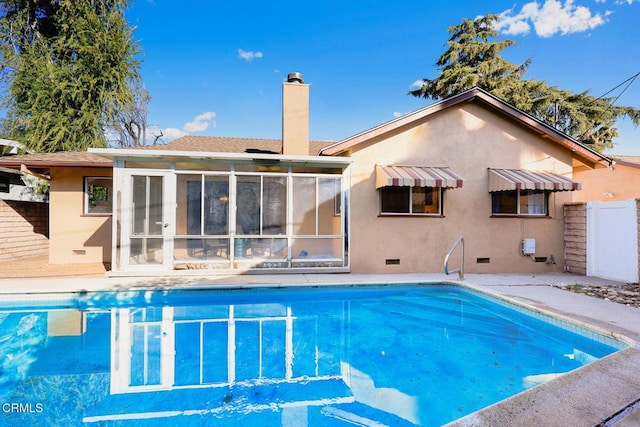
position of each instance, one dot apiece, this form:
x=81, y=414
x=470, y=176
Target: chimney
x=295, y=115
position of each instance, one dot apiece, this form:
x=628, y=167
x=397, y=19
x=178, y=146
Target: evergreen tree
x=471, y=59
x=69, y=68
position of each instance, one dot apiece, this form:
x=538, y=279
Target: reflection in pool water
x=410, y=355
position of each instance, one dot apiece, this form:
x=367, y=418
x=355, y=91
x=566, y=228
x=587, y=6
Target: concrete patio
x=600, y=394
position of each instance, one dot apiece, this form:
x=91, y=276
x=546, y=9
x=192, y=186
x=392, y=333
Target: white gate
x=612, y=240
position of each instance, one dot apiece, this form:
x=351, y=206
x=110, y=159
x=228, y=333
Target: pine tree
x=69, y=68
x=471, y=60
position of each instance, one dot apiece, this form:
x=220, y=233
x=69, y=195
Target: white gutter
x=212, y=155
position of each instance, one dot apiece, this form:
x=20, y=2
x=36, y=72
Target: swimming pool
x=396, y=355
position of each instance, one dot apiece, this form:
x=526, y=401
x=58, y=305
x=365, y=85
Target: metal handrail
x=460, y=270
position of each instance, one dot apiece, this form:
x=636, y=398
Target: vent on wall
x=392, y=261
x=541, y=259
x=483, y=260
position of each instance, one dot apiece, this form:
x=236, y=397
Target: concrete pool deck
x=601, y=393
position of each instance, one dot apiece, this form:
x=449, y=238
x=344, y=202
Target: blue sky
x=216, y=68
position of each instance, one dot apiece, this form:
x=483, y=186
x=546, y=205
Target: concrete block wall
x=575, y=238
x=24, y=229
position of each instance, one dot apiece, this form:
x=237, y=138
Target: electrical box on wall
x=528, y=246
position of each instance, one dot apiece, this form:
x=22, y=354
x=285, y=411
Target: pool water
x=335, y=356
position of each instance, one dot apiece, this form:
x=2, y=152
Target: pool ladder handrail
x=460, y=270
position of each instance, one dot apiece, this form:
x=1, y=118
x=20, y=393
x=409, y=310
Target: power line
x=629, y=81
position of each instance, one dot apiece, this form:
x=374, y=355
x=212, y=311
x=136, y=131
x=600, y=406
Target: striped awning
x=520, y=179
x=416, y=176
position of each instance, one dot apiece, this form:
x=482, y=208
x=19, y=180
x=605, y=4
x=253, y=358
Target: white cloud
x=200, y=123
x=157, y=134
x=396, y=114
x=173, y=133
x=417, y=84
x=550, y=18
x=619, y=2
x=250, y=55
x=512, y=24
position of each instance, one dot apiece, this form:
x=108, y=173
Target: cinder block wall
x=575, y=238
x=24, y=229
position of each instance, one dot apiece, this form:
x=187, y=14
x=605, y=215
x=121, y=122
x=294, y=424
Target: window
x=261, y=203
x=520, y=202
x=208, y=218
x=411, y=200
x=98, y=195
x=314, y=198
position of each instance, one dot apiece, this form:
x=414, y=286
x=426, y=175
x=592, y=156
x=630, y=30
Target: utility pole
x=556, y=111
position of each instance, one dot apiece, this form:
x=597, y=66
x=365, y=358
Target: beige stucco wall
x=73, y=236
x=295, y=119
x=468, y=139
x=620, y=182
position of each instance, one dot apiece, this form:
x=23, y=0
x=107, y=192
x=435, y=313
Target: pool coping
x=590, y=395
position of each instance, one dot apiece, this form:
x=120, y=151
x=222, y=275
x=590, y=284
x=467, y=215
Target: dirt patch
x=627, y=293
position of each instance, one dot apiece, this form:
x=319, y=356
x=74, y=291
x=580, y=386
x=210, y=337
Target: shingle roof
x=215, y=144
x=220, y=144
x=61, y=158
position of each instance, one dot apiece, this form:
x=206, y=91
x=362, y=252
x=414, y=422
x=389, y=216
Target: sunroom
x=252, y=211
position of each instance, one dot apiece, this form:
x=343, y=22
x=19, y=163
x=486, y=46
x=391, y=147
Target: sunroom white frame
x=122, y=177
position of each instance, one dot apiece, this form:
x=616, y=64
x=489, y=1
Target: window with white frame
x=261, y=203
x=98, y=195
x=520, y=202
x=404, y=200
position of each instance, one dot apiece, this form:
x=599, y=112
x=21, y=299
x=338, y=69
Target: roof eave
x=112, y=153
x=53, y=164
x=344, y=145
x=543, y=129
x=473, y=94
x=623, y=162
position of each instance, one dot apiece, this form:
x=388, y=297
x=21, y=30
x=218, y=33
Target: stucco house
x=76, y=233
x=472, y=166
x=393, y=198
x=620, y=181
